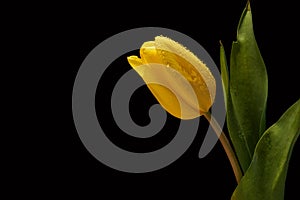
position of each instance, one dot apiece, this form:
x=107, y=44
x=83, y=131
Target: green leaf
x=265, y=178
x=233, y=127
x=224, y=72
x=238, y=142
x=248, y=87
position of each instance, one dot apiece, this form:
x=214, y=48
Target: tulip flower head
x=181, y=82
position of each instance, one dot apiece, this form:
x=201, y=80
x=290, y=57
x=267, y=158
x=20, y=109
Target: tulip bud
x=188, y=88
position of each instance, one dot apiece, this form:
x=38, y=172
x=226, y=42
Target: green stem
x=226, y=145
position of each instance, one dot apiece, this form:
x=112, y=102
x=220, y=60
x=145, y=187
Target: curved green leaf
x=224, y=72
x=233, y=126
x=248, y=87
x=265, y=178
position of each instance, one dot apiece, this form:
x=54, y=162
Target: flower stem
x=226, y=145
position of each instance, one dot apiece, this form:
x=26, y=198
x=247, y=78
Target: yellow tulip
x=181, y=82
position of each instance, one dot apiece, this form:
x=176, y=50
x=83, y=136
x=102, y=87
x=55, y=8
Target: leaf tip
x=248, y=6
x=221, y=44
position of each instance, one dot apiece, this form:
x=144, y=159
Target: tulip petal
x=179, y=58
x=166, y=99
x=190, y=61
x=149, y=54
x=134, y=61
x=181, y=83
x=160, y=80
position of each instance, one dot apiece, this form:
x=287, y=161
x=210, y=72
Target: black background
x=66, y=33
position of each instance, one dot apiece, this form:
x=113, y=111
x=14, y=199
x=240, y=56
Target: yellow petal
x=181, y=82
x=160, y=80
x=134, y=61
x=166, y=99
x=194, y=70
x=149, y=54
